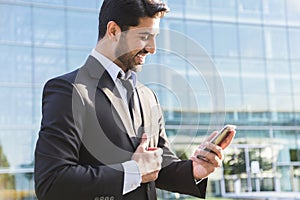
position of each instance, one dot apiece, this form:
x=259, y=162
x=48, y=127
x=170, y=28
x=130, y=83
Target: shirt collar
x=113, y=69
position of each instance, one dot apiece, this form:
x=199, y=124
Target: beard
x=127, y=59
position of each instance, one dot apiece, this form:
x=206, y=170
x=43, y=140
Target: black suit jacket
x=86, y=133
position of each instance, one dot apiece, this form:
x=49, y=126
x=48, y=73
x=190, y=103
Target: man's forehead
x=149, y=25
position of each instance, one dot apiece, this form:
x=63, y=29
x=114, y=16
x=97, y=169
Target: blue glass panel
x=294, y=41
x=15, y=23
x=279, y=79
x=16, y=106
x=251, y=41
x=276, y=102
x=16, y=68
x=18, y=151
x=197, y=9
x=296, y=78
x=48, y=63
x=229, y=72
x=224, y=10
x=201, y=32
x=293, y=12
x=49, y=26
x=76, y=58
x=82, y=4
x=274, y=11
x=82, y=28
x=173, y=24
x=50, y=2
x=276, y=42
x=253, y=77
x=176, y=7
x=225, y=39
x=249, y=10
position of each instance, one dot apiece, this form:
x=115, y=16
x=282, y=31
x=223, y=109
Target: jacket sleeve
x=58, y=173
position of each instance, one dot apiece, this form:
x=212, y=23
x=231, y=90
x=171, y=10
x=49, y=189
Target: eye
x=145, y=37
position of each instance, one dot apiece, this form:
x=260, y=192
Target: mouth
x=140, y=57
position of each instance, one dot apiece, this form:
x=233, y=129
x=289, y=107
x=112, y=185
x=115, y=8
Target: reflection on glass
x=224, y=10
x=279, y=78
x=21, y=61
x=17, y=107
x=225, y=39
x=201, y=32
x=198, y=9
x=249, y=10
x=276, y=42
x=48, y=63
x=82, y=30
x=294, y=37
x=274, y=11
x=49, y=26
x=251, y=41
x=15, y=23
x=293, y=12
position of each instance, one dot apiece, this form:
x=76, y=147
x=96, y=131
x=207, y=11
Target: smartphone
x=219, y=138
x=222, y=134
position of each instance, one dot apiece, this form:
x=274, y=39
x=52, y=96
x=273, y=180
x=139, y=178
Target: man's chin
x=137, y=68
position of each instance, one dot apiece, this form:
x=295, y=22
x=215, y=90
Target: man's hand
x=149, y=162
x=208, y=157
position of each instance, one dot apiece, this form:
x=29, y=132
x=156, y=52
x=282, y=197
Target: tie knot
x=128, y=84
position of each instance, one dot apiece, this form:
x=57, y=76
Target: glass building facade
x=253, y=45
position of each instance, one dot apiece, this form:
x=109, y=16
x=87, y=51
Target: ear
x=113, y=31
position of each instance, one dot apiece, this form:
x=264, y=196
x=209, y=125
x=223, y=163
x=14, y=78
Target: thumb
x=144, y=141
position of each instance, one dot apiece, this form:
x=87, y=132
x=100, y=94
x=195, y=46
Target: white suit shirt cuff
x=132, y=176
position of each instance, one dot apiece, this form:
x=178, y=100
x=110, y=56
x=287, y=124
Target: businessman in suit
x=102, y=134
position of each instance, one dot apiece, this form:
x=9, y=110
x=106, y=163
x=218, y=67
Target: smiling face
x=136, y=43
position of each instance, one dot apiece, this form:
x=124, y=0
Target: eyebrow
x=148, y=33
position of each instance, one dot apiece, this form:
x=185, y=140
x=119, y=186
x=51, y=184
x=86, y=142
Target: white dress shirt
x=132, y=176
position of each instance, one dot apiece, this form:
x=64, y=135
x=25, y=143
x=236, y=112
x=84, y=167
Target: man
x=99, y=139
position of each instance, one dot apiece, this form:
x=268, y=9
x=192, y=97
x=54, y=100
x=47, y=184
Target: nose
x=151, y=46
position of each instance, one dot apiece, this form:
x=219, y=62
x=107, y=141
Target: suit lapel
x=107, y=86
x=150, y=114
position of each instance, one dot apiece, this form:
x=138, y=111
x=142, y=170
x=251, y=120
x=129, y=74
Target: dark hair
x=128, y=12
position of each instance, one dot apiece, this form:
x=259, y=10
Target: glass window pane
x=293, y=12
x=173, y=24
x=296, y=77
x=49, y=26
x=276, y=42
x=276, y=102
x=251, y=42
x=16, y=106
x=18, y=151
x=82, y=28
x=54, y=2
x=15, y=23
x=48, y=63
x=224, y=10
x=17, y=68
x=253, y=76
x=274, y=11
x=229, y=72
x=249, y=10
x=177, y=8
x=201, y=32
x=294, y=37
x=279, y=79
x=82, y=4
x=197, y=9
x=76, y=58
x=225, y=39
